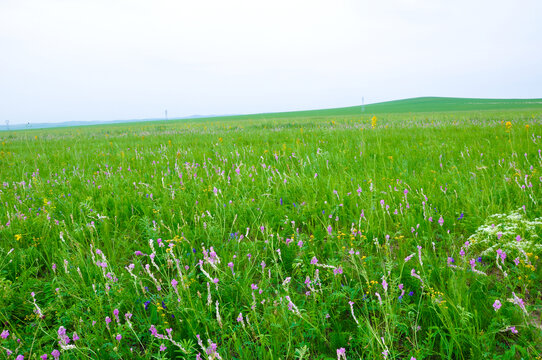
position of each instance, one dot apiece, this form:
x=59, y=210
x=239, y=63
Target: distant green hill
x=413, y=105
x=417, y=105
x=435, y=104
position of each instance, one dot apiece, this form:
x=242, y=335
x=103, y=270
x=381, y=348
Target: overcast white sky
x=70, y=60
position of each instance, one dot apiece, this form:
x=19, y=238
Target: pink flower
x=379, y=298
x=56, y=354
x=409, y=257
x=4, y=334
x=497, y=305
x=118, y=337
x=519, y=301
x=314, y=261
x=413, y=274
x=163, y=347
x=61, y=331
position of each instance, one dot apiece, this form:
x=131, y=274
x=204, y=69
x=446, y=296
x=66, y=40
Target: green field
x=411, y=230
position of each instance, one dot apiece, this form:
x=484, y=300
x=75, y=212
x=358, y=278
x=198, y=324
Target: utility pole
x=166, y=114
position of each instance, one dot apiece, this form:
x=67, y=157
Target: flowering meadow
x=398, y=236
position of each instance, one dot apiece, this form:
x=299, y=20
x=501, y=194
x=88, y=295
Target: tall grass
x=277, y=238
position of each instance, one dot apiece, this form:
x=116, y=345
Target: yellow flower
x=373, y=122
x=18, y=237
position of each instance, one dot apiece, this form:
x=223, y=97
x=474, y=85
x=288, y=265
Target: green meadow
x=403, y=230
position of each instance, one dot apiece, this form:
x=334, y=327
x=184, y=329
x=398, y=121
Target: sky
x=75, y=60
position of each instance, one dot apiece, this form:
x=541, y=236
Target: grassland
x=414, y=233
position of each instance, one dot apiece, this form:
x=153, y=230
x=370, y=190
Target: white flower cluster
x=513, y=233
